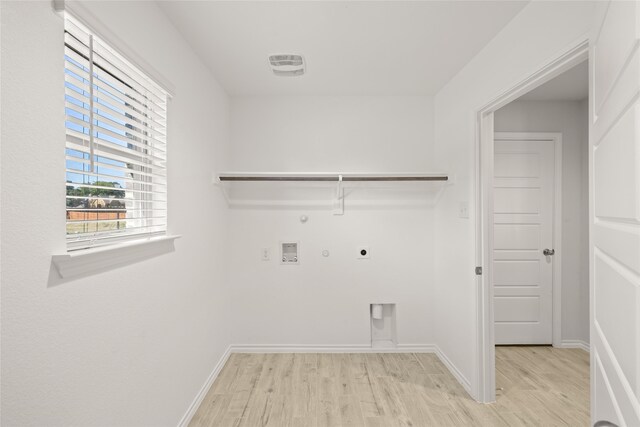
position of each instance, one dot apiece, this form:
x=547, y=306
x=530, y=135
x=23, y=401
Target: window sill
x=90, y=261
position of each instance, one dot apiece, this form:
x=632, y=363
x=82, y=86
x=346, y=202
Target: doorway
x=541, y=222
x=540, y=246
x=487, y=237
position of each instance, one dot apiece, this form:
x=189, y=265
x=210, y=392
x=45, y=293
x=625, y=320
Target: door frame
x=556, y=226
x=485, y=341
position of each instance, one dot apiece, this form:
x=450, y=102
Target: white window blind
x=116, y=145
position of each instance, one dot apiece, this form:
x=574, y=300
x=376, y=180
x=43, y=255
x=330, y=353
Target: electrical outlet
x=463, y=210
x=364, y=252
x=266, y=254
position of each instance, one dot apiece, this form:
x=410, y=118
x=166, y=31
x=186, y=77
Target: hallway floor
x=536, y=386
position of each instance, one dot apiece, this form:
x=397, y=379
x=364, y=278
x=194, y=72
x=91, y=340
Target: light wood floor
x=538, y=386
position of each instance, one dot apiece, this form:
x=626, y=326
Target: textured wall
x=131, y=346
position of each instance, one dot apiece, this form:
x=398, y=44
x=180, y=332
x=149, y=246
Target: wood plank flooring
x=537, y=386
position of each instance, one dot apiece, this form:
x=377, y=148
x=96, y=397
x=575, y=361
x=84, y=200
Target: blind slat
x=127, y=95
x=109, y=62
x=101, y=187
x=85, y=240
x=122, y=138
x=80, y=92
x=110, y=221
x=127, y=114
x=105, y=177
x=89, y=210
x=101, y=117
x=107, y=234
x=109, y=150
x=109, y=166
x=122, y=68
x=118, y=199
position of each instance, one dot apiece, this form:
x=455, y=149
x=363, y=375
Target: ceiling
x=350, y=47
x=572, y=85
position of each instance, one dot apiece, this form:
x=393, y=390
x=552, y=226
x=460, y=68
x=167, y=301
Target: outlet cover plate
x=463, y=210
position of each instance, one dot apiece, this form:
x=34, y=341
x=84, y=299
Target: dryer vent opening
x=287, y=65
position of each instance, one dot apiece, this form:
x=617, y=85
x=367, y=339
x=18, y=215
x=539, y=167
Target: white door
x=615, y=214
x=523, y=228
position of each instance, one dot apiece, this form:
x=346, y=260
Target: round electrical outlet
x=364, y=252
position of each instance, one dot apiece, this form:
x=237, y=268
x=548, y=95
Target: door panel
x=516, y=237
x=516, y=165
x=602, y=398
x=621, y=242
x=516, y=273
x=615, y=309
x=523, y=228
x=618, y=98
x=524, y=308
x=615, y=43
x=615, y=215
x=516, y=201
x=615, y=164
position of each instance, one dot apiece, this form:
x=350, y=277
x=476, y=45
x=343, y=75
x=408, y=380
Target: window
x=116, y=143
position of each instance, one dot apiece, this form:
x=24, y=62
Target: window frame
x=147, y=189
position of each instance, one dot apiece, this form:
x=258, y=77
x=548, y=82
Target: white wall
x=131, y=346
x=571, y=119
x=325, y=301
x=537, y=35
x=332, y=133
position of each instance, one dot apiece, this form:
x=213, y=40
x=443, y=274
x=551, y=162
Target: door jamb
x=485, y=343
x=556, y=137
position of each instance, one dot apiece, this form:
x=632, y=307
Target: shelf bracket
x=223, y=188
x=338, y=203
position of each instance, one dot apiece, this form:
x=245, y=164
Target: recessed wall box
x=289, y=253
x=383, y=326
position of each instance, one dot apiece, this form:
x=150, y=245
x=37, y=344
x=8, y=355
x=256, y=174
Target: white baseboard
x=416, y=348
x=186, y=419
x=355, y=348
x=575, y=344
x=454, y=370
x=298, y=348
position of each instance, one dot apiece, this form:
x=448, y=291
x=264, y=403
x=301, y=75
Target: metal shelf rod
x=336, y=178
x=396, y=178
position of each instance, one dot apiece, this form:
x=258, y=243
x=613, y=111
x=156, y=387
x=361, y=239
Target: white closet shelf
x=331, y=190
x=329, y=177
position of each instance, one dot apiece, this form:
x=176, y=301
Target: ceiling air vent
x=287, y=65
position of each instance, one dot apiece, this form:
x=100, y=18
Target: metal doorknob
x=549, y=252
